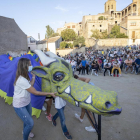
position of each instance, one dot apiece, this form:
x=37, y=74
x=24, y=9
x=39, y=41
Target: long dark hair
x=76, y=76
x=22, y=69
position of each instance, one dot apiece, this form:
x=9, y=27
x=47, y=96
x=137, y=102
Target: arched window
x=111, y=6
x=108, y=7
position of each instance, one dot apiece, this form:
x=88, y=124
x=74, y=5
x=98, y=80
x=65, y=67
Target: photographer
x=107, y=66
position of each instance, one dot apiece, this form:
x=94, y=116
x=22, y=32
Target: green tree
x=54, y=34
x=121, y=35
x=104, y=34
x=70, y=45
x=101, y=18
x=63, y=45
x=68, y=35
x=115, y=33
x=49, y=31
x=96, y=34
x=79, y=41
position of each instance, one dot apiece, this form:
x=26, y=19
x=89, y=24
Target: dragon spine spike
x=45, y=60
x=52, y=55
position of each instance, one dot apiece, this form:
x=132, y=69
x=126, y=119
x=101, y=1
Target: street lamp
x=47, y=44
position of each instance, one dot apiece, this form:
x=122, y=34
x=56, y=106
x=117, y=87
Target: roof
x=29, y=37
x=52, y=39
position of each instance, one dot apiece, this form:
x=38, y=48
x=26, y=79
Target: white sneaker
x=90, y=129
x=132, y=72
x=78, y=117
x=96, y=74
x=31, y=135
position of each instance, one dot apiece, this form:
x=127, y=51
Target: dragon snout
x=116, y=111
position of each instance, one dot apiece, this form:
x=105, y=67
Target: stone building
x=53, y=44
x=77, y=27
x=12, y=39
x=31, y=43
x=128, y=19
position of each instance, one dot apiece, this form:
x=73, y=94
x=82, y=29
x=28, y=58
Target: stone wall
x=68, y=51
x=113, y=42
x=89, y=42
x=106, y=43
x=12, y=38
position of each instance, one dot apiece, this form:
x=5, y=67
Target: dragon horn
x=52, y=55
x=45, y=60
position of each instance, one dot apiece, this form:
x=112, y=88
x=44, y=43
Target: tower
x=110, y=5
x=137, y=2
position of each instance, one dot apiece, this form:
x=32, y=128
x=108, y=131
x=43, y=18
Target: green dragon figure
x=57, y=76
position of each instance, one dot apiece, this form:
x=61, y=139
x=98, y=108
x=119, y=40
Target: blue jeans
x=73, y=67
x=137, y=68
x=60, y=114
x=24, y=114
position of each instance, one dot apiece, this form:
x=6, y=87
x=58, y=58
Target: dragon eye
x=58, y=76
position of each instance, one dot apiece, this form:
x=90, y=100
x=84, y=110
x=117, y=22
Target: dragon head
x=57, y=76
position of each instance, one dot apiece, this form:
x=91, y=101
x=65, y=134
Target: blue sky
x=33, y=15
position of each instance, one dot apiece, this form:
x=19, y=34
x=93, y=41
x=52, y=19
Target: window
x=133, y=24
x=68, y=27
x=100, y=25
x=133, y=34
x=73, y=26
x=112, y=6
x=133, y=40
x=115, y=22
x=93, y=25
x=100, y=30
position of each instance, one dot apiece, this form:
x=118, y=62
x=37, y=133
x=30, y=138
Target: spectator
x=73, y=64
x=95, y=66
x=116, y=67
x=107, y=66
x=83, y=62
x=137, y=62
x=128, y=63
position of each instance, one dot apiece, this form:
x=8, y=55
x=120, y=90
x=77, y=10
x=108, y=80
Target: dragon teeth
x=76, y=103
x=68, y=90
x=88, y=100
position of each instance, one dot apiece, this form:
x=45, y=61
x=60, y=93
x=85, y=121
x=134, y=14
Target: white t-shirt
x=109, y=64
x=59, y=102
x=68, y=61
x=73, y=63
x=21, y=96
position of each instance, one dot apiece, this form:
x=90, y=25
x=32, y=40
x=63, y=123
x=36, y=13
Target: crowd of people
x=114, y=60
